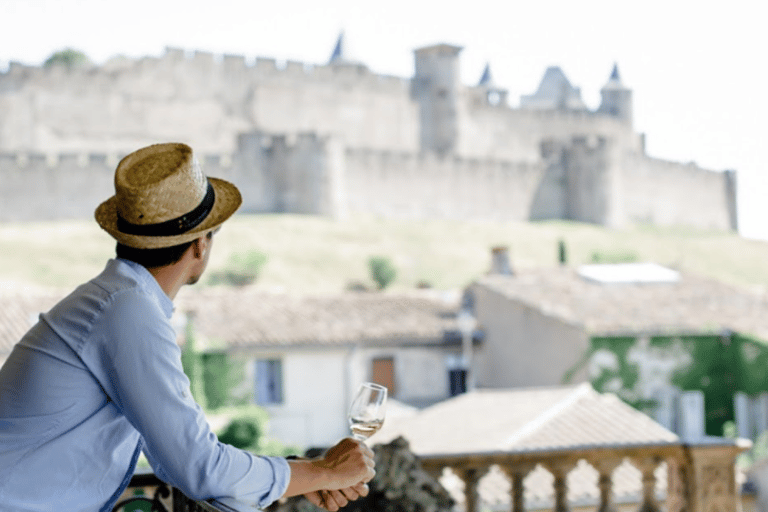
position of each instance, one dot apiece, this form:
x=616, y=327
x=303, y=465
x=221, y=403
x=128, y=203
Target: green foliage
x=626, y=373
x=715, y=370
x=247, y=430
x=562, y=255
x=242, y=269
x=192, y=364
x=382, y=270
x=241, y=433
x=719, y=365
x=221, y=375
x=614, y=257
x=758, y=451
x=246, y=427
x=69, y=57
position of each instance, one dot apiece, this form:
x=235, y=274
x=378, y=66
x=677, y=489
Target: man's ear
x=199, y=247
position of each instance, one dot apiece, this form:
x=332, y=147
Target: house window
x=269, y=382
x=383, y=372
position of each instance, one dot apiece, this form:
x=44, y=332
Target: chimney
x=500, y=261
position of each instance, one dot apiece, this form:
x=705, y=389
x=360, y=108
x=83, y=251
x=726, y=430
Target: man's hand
x=336, y=478
x=348, y=463
x=334, y=500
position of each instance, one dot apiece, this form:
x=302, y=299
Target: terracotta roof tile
x=693, y=304
x=243, y=318
x=240, y=318
x=522, y=420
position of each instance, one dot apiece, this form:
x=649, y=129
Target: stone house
x=305, y=356
x=689, y=351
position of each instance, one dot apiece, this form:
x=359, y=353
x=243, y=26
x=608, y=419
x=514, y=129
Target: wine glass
x=366, y=414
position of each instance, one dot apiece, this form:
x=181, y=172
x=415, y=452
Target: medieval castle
x=339, y=140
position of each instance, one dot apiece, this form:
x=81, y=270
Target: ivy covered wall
x=640, y=368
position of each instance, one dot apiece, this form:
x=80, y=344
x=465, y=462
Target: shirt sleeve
x=143, y=376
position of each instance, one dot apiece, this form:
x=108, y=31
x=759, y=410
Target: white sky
x=697, y=68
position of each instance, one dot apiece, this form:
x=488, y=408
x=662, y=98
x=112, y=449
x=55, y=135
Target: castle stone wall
x=201, y=99
x=659, y=192
x=338, y=139
x=516, y=134
x=40, y=187
x=424, y=186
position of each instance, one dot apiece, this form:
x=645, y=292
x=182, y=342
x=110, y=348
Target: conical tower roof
x=486, y=80
x=338, y=50
x=341, y=55
x=614, y=81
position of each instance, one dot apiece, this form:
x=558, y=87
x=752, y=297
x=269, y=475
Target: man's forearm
x=306, y=477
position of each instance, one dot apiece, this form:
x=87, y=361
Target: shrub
x=382, y=271
x=242, y=269
x=68, y=57
x=247, y=430
x=614, y=257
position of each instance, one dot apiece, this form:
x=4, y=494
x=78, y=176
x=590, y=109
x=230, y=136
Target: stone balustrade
x=699, y=477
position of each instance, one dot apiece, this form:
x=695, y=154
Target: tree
x=68, y=57
x=382, y=270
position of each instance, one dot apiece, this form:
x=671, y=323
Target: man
x=98, y=379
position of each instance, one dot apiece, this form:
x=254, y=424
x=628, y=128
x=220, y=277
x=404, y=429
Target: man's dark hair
x=152, y=258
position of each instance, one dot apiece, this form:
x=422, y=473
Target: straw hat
x=162, y=198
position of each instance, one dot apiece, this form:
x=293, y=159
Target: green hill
x=307, y=254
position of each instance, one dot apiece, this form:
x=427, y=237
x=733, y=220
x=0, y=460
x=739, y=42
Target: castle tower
x=616, y=98
x=555, y=92
x=338, y=53
x=341, y=56
x=493, y=94
x=435, y=87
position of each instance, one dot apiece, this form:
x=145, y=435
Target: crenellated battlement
x=178, y=64
x=338, y=137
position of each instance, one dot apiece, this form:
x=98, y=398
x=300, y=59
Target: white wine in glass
x=366, y=414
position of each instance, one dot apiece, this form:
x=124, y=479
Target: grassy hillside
x=310, y=254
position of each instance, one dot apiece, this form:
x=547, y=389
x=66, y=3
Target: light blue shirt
x=99, y=379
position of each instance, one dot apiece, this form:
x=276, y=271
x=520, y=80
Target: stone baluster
x=605, y=469
x=516, y=474
x=648, y=467
x=470, y=477
x=560, y=470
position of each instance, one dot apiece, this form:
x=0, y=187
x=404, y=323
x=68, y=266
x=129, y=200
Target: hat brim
x=228, y=200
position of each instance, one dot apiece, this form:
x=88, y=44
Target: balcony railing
x=147, y=493
x=675, y=477
x=697, y=477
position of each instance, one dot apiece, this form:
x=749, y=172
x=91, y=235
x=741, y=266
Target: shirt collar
x=148, y=282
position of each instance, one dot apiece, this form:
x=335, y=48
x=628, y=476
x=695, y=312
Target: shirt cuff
x=282, y=471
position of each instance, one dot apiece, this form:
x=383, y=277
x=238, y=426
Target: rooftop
x=683, y=304
x=524, y=420
x=244, y=318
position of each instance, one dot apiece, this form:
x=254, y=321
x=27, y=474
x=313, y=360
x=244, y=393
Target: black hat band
x=173, y=227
